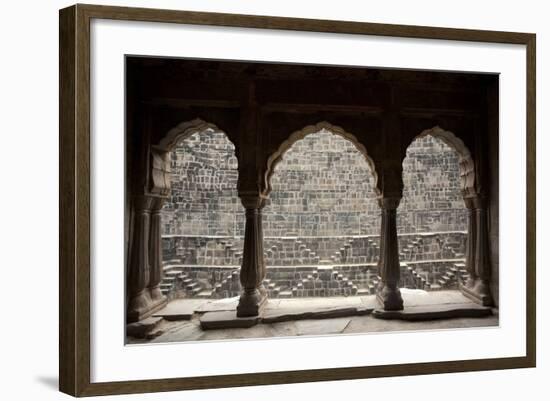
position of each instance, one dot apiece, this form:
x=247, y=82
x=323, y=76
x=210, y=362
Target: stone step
x=460, y=265
x=192, y=286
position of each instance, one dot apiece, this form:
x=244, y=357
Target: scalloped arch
x=184, y=130
x=277, y=156
x=160, y=179
x=466, y=162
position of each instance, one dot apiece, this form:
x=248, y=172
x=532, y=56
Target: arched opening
x=202, y=219
x=432, y=220
x=322, y=222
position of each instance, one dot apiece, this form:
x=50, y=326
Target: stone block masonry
x=322, y=187
x=431, y=189
x=321, y=223
x=204, y=197
x=310, y=266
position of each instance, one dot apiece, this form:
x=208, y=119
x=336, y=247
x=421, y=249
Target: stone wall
x=208, y=267
x=431, y=189
x=204, y=197
x=293, y=251
x=322, y=187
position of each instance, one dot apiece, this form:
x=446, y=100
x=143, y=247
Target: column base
x=143, y=305
x=156, y=295
x=251, y=303
x=478, y=292
x=390, y=298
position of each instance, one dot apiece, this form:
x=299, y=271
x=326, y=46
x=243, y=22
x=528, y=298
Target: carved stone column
x=138, y=276
x=254, y=296
x=155, y=254
x=471, y=243
x=388, y=264
x=477, y=287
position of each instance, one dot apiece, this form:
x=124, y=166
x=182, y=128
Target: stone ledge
x=288, y=314
x=143, y=328
x=226, y=320
x=431, y=312
x=179, y=309
x=229, y=319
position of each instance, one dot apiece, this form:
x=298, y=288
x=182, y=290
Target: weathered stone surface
x=180, y=309
x=226, y=320
x=287, y=314
x=226, y=304
x=320, y=327
x=369, y=301
x=414, y=297
x=370, y=324
x=183, y=331
x=314, y=303
x=432, y=312
x=258, y=331
x=143, y=327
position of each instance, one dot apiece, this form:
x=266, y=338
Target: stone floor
x=184, y=319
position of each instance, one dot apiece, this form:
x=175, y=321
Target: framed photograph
x=250, y=200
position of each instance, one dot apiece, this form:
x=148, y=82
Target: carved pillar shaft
x=155, y=251
x=138, y=277
x=482, y=267
x=389, y=295
x=477, y=259
x=471, y=248
x=253, y=297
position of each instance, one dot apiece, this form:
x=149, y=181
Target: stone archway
x=277, y=156
x=466, y=162
x=432, y=217
x=477, y=262
x=159, y=182
x=146, y=259
x=323, y=217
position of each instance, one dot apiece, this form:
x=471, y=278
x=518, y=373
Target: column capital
x=389, y=202
x=252, y=200
x=477, y=201
x=157, y=203
x=143, y=201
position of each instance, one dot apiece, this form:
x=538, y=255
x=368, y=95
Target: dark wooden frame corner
x=74, y=203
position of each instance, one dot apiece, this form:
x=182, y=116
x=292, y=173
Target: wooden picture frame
x=74, y=206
